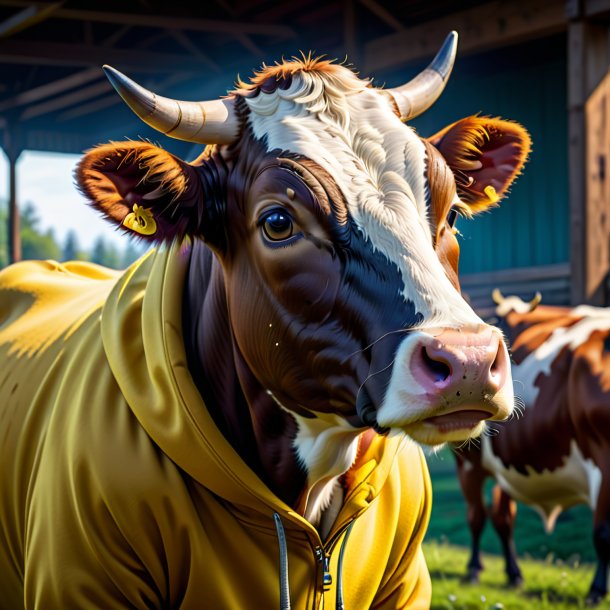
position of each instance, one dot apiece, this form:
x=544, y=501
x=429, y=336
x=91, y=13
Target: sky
x=46, y=180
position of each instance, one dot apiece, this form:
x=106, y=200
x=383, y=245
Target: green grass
x=548, y=584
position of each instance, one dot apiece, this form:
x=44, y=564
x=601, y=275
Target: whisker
x=370, y=375
x=391, y=332
x=515, y=381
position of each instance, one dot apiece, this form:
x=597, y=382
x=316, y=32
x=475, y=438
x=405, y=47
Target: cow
x=209, y=427
x=556, y=453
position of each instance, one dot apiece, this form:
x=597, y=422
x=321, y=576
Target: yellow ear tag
x=490, y=191
x=141, y=221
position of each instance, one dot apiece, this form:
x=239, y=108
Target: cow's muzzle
x=445, y=383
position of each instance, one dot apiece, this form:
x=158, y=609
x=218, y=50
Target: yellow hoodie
x=118, y=491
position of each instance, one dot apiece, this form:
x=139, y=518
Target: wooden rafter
x=383, y=14
x=65, y=54
x=489, y=25
x=189, y=46
x=50, y=89
x=64, y=101
x=90, y=108
x=27, y=17
x=179, y=23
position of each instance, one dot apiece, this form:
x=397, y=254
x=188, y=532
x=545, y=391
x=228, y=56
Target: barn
x=540, y=62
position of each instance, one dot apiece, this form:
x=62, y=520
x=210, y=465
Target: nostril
x=438, y=370
x=498, y=369
x=495, y=365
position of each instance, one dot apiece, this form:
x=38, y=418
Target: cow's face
x=334, y=225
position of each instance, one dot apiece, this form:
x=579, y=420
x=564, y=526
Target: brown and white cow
x=321, y=298
x=555, y=454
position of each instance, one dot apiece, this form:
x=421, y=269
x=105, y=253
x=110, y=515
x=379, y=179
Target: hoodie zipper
x=323, y=554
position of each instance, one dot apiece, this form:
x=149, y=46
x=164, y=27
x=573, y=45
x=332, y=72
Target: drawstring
x=339, y=601
x=284, y=585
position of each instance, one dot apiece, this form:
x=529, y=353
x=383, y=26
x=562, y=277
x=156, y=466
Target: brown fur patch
x=486, y=155
x=284, y=70
x=118, y=175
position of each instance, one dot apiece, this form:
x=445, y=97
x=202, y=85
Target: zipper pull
x=328, y=579
x=324, y=559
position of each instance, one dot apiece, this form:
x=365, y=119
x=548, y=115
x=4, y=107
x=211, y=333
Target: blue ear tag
x=141, y=220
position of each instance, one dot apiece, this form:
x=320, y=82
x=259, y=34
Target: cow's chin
x=433, y=433
x=431, y=423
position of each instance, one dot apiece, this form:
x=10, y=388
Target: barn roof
x=54, y=96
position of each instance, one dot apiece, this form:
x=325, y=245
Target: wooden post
x=576, y=157
x=13, y=149
x=588, y=61
x=597, y=119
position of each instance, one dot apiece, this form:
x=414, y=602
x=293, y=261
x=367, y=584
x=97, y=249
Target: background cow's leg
x=472, y=477
x=601, y=541
x=503, y=513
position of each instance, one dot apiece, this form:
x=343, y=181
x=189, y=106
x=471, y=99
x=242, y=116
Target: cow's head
x=334, y=224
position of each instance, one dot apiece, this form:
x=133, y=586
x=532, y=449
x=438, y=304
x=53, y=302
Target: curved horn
x=497, y=296
x=416, y=96
x=535, y=301
x=213, y=122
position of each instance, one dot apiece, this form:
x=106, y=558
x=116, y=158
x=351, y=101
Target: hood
x=142, y=337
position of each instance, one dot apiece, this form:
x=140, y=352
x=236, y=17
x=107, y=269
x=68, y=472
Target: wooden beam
x=12, y=146
x=179, y=23
x=27, y=17
x=193, y=49
x=597, y=253
x=53, y=88
x=114, y=98
x=488, y=25
x=245, y=40
x=383, y=14
x=66, y=54
x=60, y=85
x=588, y=58
x=64, y=101
x=14, y=226
x=89, y=108
x=596, y=8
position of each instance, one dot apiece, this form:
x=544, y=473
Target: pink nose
x=465, y=364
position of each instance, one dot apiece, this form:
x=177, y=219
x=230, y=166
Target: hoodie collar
x=142, y=337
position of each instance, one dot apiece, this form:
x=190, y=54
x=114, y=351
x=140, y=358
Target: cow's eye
x=277, y=225
x=452, y=217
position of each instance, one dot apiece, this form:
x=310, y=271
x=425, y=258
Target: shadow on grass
x=554, y=597
x=449, y=574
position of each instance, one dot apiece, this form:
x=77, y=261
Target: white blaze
x=380, y=166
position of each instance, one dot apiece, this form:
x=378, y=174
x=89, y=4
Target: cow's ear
x=486, y=155
x=143, y=189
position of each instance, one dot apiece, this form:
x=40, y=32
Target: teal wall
x=526, y=83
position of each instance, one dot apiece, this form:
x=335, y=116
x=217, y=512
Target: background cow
x=162, y=424
x=556, y=453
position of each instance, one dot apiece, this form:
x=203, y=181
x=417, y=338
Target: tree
x=34, y=244
x=132, y=252
x=104, y=253
x=72, y=250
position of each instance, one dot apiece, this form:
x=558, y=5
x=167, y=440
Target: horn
x=535, y=301
x=416, y=96
x=497, y=296
x=213, y=122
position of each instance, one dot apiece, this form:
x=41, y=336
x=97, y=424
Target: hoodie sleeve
x=408, y=585
x=100, y=525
